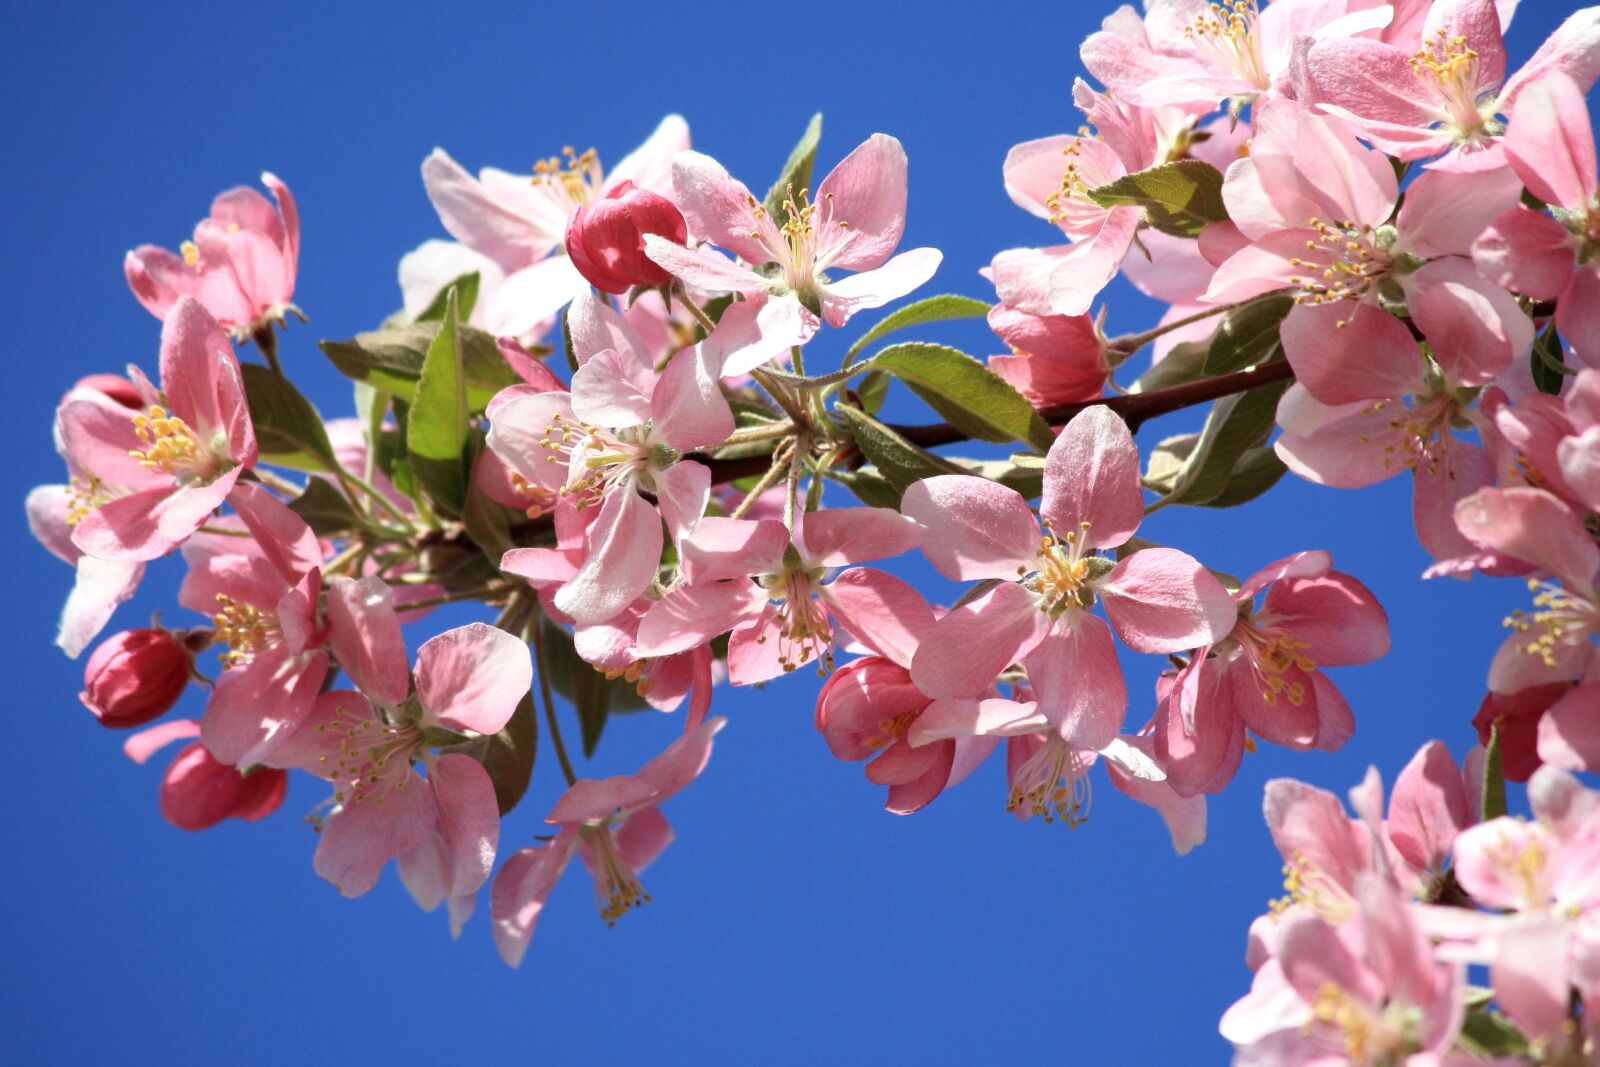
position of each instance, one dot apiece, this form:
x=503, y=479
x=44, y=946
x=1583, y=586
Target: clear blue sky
x=793, y=921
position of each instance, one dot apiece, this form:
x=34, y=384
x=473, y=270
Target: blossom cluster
x=600, y=412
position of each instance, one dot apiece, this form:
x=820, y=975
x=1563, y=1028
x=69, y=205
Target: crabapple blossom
x=135, y=676
x=198, y=791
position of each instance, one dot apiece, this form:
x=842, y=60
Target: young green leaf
x=1549, y=365
x=289, y=432
x=1180, y=198
x=466, y=288
x=391, y=360
x=1248, y=335
x=326, y=510
x=899, y=461
x=972, y=397
x=796, y=173
x=510, y=754
x=930, y=309
x=1234, y=425
x=440, y=424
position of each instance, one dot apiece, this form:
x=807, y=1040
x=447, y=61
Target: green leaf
x=899, y=462
x=1185, y=363
x=870, y=487
x=872, y=391
x=1180, y=198
x=1488, y=1033
x=1494, y=777
x=466, y=288
x=1549, y=364
x=1247, y=336
x=289, y=432
x=326, y=510
x=594, y=696
x=440, y=425
x=796, y=172
x=969, y=395
x=392, y=360
x=1234, y=425
x=1255, y=471
x=509, y=757
x=931, y=309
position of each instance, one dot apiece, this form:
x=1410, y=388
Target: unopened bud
x=134, y=677
x=606, y=238
x=198, y=791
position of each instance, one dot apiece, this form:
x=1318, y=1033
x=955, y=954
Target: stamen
x=616, y=885
x=244, y=628
x=1227, y=31
x=1054, y=783
x=171, y=445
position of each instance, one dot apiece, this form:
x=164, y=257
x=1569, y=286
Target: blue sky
x=793, y=919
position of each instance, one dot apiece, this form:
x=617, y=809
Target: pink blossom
x=611, y=647
x=467, y=682
x=1196, y=54
x=867, y=708
x=1550, y=146
x=198, y=791
x=853, y=224
x=1264, y=677
x=1055, y=359
x=261, y=593
x=614, y=825
x=135, y=676
x=1158, y=599
x=1554, y=642
x=240, y=266
x=619, y=433
x=769, y=588
x=1448, y=95
x=150, y=479
x=519, y=224
x=98, y=586
x=1518, y=719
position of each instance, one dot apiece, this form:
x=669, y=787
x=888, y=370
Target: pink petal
x=1569, y=733
x=612, y=390
x=97, y=589
x=593, y=800
x=1310, y=823
x=867, y=192
x=1527, y=252
x=1445, y=212
x=1185, y=817
x=281, y=535
x=1074, y=671
x=1428, y=807
x=1535, y=527
x=364, y=631
x=884, y=613
x=1033, y=172
x=1091, y=481
x=1087, y=267
x=682, y=492
x=968, y=648
x=688, y=410
x=1573, y=50
x=1475, y=329
x=477, y=220
x=879, y=286
x=1530, y=972
x=650, y=165
x=1314, y=957
x=1484, y=862
x=1022, y=276
x=140, y=746
x=682, y=761
x=703, y=268
x=734, y=548
x=622, y=555
x=694, y=614
x=529, y=298
x=758, y=651
x=469, y=818
x=596, y=326
x=521, y=889
x=1371, y=356
x=993, y=717
x=716, y=206
x=471, y=678
x=834, y=537
x=1162, y=600
x=1337, y=616
x=1578, y=315
x=358, y=839
x=256, y=706
x=642, y=836
x=1310, y=564
x=972, y=527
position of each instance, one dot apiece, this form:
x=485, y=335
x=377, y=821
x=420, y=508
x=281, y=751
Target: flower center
x=1419, y=436
x=85, y=494
x=1273, y=653
x=1452, y=68
x=793, y=246
x=1560, y=619
x=244, y=628
x=540, y=500
x=1054, y=782
x=1311, y=888
x=1227, y=34
x=1071, y=206
x=804, y=630
x=373, y=758
x=1342, y=262
x=890, y=730
x=1366, y=1036
x=191, y=254
x=616, y=883
x=1066, y=572
x=171, y=446
x=597, y=462
x=572, y=176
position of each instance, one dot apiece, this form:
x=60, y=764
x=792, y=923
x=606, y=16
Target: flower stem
x=266, y=340
x=533, y=633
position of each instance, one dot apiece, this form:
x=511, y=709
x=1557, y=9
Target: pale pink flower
x=1055, y=359
x=1158, y=599
x=1196, y=54
x=1447, y=96
x=519, y=224
x=1550, y=145
x=467, y=682
x=769, y=588
x=198, y=791
x=149, y=479
x=853, y=223
x=1366, y=992
x=611, y=647
x=1555, y=641
x=619, y=433
x=98, y=586
x=1367, y=405
x=240, y=266
x=1048, y=775
x=1264, y=676
x=261, y=593
x=617, y=829
x=868, y=706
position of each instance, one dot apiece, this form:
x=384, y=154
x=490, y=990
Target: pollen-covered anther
x=616, y=885
x=1559, y=618
x=1274, y=653
x=373, y=757
x=1451, y=65
x=243, y=628
x=1054, y=783
x=1342, y=262
x=1227, y=31
x=575, y=175
x=85, y=493
x=170, y=444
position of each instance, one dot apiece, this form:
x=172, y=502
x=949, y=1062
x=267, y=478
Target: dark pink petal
x=364, y=630
x=1162, y=600
x=158, y=277
x=694, y=614
x=358, y=839
x=520, y=890
x=193, y=351
x=835, y=537
x=642, y=836
x=758, y=651
x=866, y=193
x=1199, y=739
x=900, y=763
x=1578, y=314
x=973, y=528
x=1336, y=724
x=621, y=558
x=471, y=678
x=906, y=798
x=281, y=535
x=1336, y=615
x=1428, y=807
x=1091, y=481
x=1310, y=823
x=1075, y=673
x=469, y=818
x=1274, y=716
x=256, y=706
x=968, y=648
x=1569, y=733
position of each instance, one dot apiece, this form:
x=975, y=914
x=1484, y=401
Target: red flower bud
x=197, y=791
x=135, y=676
x=606, y=238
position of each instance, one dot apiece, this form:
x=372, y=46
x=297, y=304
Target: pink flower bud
x=135, y=676
x=606, y=238
x=865, y=706
x=198, y=791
